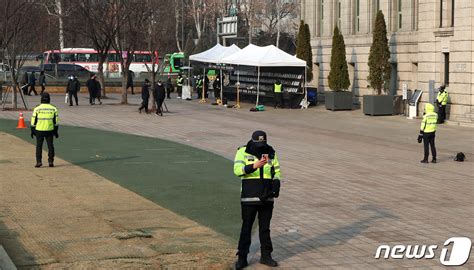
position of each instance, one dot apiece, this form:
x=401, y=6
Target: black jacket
x=73, y=86
x=91, y=85
x=32, y=79
x=159, y=91
x=145, y=91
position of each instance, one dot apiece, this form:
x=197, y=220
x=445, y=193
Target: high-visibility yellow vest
x=442, y=98
x=430, y=119
x=45, y=117
x=277, y=88
x=179, y=81
x=254, y=183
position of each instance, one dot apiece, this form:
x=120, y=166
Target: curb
x=5, y=261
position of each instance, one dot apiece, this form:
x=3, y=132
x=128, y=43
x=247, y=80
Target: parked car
x=59, y=71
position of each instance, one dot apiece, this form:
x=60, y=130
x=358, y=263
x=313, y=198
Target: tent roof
x=268, y=56
x=214, y=54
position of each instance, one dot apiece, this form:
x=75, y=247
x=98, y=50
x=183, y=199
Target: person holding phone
x=259, y=169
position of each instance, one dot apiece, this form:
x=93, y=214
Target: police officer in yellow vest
x=179, y=85
x=427, y=132
x=44, y=125
x=278, y=95
x=441, y=101
x=258, y=167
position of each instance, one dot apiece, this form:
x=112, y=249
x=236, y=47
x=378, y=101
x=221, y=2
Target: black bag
x=460, y=157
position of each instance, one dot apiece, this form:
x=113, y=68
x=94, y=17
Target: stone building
x=431, y=43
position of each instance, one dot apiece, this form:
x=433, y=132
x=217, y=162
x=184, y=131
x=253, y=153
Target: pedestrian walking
x=179, y=85
x=98, y=91
x=169, y=87
x=24, y=82
x=130, y=81
x=44, y=125
x=42, y=81
x=32, y=83
x=278, y=98
x=159, y=97
x=441, y=102
x=217, y=89
x=428, y=132
x=259, y=169
x=145, y=96
x=206, y=86
x=72, y=88
x=91, y=87
x=199, y=83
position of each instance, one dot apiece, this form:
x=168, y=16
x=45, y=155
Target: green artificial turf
x=188, y=181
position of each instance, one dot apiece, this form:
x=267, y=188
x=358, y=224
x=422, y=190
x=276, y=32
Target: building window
x=446, y=68
x=400, y=14
x=321, y=18
x=357, y=15
x=414, y=15
x=339, y=10
x=452, y=13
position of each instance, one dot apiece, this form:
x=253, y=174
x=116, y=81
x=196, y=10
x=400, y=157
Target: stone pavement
x=350, y=182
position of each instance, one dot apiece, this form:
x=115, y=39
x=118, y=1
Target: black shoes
x=269, y=261
x=433, y=160
x=39, y=164
x=424, y=161
x=241, y=262
x=51, y=164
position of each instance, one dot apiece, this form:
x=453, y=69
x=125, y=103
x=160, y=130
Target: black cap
x=259, y=138
x=45, y=98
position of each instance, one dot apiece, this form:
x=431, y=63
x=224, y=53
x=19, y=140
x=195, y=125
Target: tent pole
x=258, y=85
x=237, y=106
x=203, y=97
x=221, y=83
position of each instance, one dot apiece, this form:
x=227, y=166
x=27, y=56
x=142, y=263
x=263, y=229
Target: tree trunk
x=15, y=97
x=100, y=74
x=176, y=32
x=61, y=27
x=124, y=85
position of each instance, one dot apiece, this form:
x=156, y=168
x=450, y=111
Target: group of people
x=29, y=83
x=159, y=92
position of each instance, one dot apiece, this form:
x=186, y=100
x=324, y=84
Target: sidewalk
x=350, y=182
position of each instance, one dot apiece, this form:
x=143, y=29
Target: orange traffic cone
x=21, y=121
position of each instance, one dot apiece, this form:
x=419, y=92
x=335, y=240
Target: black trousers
x=441, y=114
x=40, y=137
x=144, y=105
x=180, y=90
x=42, y=88
x=72, y=94
x=249, y=213
x=159, y=103
x=217, y=93
x=168, y=92
x=199, y=92
x=130, y=86
x=32, y=89
x=429, y=142
x=91, y=96
x=278, y=100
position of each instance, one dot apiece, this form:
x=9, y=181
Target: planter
x=378, y=105
x=340, y=100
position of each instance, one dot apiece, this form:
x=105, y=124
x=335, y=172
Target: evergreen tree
x=379, y=57
x=300, y=42
x=338, y=75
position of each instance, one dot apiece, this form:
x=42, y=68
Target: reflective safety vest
x=45, y=117
x=277, y=88
x=442, y=98
x=255, y=183
x=429, y=122
x=179, y=81
x=199, y=83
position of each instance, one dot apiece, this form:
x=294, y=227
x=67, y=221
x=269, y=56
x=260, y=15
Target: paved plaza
x=350, y=182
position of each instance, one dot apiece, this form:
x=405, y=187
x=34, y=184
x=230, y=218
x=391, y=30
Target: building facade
x=431, y=44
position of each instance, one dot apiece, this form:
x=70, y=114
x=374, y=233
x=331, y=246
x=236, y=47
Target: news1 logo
x=457, y=255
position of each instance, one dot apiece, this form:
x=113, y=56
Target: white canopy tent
x=215, y=55
x=268, y=56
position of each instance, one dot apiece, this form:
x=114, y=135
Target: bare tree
x=17, y=35
x=178, y=21
x=130, y=17
x=100, y=30
x=249, y=9
x=55, y=8
x=274, y=12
